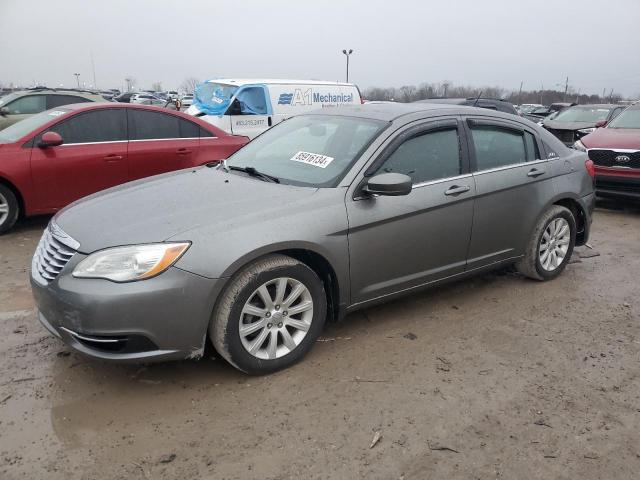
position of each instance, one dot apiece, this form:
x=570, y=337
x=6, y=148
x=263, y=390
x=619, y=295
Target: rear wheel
x=551, y=245
x=9, y=209
x=269, y=315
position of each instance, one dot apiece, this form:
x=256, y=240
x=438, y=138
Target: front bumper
x=163, y=318
x=618, y=184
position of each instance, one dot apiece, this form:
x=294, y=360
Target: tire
x=9, y=209
x=535, y=264
x=245, y=292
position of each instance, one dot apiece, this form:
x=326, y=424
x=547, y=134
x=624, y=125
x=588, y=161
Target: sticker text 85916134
x=315, y=159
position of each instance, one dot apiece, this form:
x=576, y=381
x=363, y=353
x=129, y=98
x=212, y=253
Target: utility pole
x=541, y=92
x=93, y=66
x=77, y=79
x=604, y=93
x=566, y=87
x=520, y=93
x=347, y=53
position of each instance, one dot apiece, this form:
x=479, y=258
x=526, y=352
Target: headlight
x=580, y=146
x=586, y=131
x=126, y=264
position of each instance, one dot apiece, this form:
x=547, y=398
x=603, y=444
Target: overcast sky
x=472, y=42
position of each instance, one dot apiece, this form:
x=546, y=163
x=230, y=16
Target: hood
x=623, y=138
x=567, y=125
x=160, y=207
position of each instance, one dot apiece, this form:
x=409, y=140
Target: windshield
x=7, y=98
x=528, y=108
x=629, y=118
x=583, y=114
x=309, y=150
x=29, y=124
x=213, y=98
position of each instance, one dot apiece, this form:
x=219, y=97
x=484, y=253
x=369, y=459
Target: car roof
x=391, y=111
x=247, y=81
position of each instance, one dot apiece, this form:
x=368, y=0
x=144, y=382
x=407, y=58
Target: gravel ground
x=494, y=377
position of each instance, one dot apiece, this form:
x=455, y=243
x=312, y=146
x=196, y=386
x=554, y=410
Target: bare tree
x=156, y=86
x=189, y=85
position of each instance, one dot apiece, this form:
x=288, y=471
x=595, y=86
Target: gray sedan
x=323, y=214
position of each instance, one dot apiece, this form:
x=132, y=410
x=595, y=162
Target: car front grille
x=50, y=256
x=611, y=158
x=565, y=136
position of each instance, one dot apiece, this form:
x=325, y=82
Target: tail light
x=591, y=169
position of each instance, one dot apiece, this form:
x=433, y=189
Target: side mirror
x=50, y=139
x=601, y=123
x=4, y=111
x=391, y=184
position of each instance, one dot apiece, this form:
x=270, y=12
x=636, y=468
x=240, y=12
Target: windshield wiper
x=254, y=173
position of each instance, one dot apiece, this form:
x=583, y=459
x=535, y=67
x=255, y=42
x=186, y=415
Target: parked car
x=20, y=105
x=615, y=150
x=488, y=103
x=324, y=214
x=528, y=108
x=575, y=122
x=146, y=99
x=540, y=113
x=251, y=106
x=186, y=100
x=56, y=157
x=124, y=97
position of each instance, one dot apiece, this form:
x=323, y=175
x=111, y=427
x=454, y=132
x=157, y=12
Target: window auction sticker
x=314, y=159
x=56, y=113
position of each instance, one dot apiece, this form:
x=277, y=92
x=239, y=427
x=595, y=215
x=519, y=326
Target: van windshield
x=214, y=98
x=309, y=150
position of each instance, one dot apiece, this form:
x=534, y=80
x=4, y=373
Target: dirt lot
x=497, y=377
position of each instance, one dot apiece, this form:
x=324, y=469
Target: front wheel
x=269, y=315
x=550, y=247
x=9, y=209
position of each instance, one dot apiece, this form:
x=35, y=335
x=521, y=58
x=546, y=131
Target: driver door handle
x=457, y=189
x=184, y=151
x=112, y=158
x=534, y=172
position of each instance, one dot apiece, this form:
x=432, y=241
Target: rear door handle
x=184, y=151
x=457, y=189
x=113, y=158
x=534, y=172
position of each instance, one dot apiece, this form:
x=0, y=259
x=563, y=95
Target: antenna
x=475, y=104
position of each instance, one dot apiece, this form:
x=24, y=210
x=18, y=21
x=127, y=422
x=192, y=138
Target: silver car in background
x=319, y=216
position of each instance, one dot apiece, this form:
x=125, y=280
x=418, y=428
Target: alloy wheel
x=554, y=244
x=276, y=318
x=4, y=208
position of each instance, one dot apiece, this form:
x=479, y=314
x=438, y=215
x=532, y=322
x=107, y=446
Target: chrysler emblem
x=622, y=159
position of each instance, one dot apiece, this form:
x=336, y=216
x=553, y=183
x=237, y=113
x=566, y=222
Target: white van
x=249, y=107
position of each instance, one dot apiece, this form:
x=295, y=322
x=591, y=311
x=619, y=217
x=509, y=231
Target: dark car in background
x=323, y=214
x=488, y=103
x=17, y=106
x=539, y=113
x=56, y=157
x=575, y=122
x=124, y=97
x=615, y=151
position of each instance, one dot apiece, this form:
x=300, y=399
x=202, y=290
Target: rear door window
x=497, y=146
x=107, y=125
x=146, y=125
x=59, y=100
x=27, y=105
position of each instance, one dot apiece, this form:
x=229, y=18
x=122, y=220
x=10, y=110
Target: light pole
x=77, y=79
x=347, y=54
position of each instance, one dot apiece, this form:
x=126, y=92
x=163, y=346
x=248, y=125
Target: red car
x=55, y=157
x=615, y=151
